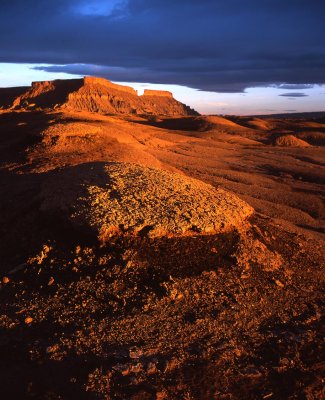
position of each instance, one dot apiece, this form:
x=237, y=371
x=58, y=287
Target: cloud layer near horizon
x=211, y=45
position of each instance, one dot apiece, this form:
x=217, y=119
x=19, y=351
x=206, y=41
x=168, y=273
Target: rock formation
x=124, y=198
x=160, y=93
x=8, y=95
x=93, y=95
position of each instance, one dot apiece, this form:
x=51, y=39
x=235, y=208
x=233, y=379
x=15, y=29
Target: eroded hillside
x=93, y=95
x=160, y=258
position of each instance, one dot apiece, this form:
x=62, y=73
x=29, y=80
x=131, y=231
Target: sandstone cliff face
x=46, y=94
x=160, y=93
x=88, y=80
x=96, y=95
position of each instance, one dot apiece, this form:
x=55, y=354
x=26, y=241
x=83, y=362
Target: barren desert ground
x=159, y=257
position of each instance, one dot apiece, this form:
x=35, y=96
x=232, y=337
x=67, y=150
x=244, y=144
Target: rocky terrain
x=122, y=198
x=157, y=255
x=290, y=141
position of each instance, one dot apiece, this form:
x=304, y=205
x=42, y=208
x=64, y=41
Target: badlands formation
x=148, y=252
x=94, y=95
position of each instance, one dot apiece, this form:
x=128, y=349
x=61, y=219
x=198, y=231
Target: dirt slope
x=113, y=286
x=290, y=141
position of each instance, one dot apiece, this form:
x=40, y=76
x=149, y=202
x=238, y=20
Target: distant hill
x=303, y=115
x=93, y=95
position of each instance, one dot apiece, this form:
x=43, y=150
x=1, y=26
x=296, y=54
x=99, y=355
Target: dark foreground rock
x=165, y=318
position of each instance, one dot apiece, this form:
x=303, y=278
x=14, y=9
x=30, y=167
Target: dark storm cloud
x=297, y=94
x=212, y=45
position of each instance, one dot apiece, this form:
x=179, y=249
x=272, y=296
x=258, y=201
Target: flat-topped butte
x=92, y=94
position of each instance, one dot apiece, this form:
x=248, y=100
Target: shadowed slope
x=8, y=95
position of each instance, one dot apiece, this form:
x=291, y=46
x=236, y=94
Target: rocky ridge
x=93, y=95
x=116, y=198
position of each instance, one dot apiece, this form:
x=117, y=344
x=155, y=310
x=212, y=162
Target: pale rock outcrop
x=160, y=93
x=127, y=199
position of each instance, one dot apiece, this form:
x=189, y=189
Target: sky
x=218, y=56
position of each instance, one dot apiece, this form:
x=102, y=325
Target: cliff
x=88, y=80
x=160, y=93
x=95, y=95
